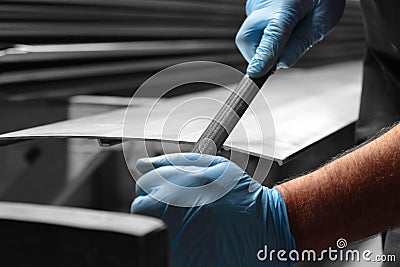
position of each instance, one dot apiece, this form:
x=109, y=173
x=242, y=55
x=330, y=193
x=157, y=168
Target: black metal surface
x=88, y=238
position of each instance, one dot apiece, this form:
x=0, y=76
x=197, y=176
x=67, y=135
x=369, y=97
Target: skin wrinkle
x=352, y=197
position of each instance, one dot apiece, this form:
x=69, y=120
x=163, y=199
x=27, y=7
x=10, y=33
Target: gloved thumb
x=273, y=41
x=145, y=165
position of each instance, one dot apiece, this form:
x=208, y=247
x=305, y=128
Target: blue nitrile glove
x=230, y=231
x=281, y=31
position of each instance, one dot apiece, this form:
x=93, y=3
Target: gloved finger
x=303, y=37
x=179, y=159
x=249, y=36
x=151, y=178
x=145, y=165
x=251, y=5
x=228, y=168
x=149, y=182
x=272, y=43
x=139, y=189
x=160, y=179
x=146, y=205
x=166, y=185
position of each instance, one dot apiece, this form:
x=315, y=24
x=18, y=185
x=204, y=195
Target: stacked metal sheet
x=55, y=21
x=57, y=48
x=63, y=47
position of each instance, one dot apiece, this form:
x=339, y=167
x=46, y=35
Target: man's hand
x=227, y=232
x=281, y=31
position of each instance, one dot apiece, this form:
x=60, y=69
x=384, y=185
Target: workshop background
x=64, y=59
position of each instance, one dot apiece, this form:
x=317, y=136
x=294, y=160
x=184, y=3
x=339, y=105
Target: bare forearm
x=352, y=197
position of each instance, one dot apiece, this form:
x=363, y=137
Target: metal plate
x=307, y=105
